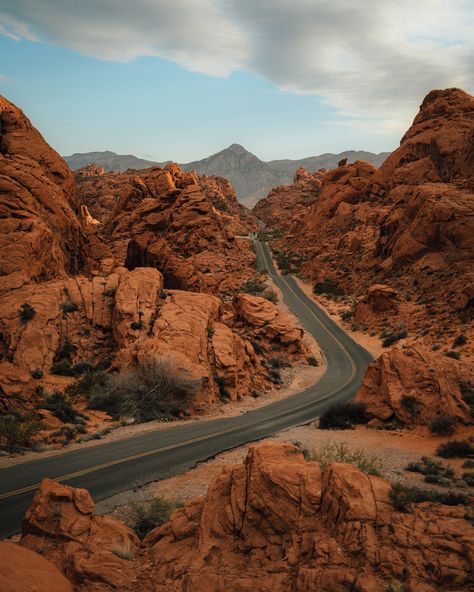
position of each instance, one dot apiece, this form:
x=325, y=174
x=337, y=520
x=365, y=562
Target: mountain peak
x=238, y=149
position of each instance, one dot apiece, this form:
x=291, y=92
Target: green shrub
x=328, y=286
x=391, y=339
x=442, y=425
x=342, y=416
x=154, y=390
x=410, y=403
x=460, y=340
x=37, y=373
x=453, y=354
x=149, y=515
x=278, y=362
x=27, y=312
x=17, y=431
x=455, y=449
x=433, y=470
x=61, y=408
x=403, y=496
x=312, y=361
x=468, y=478
x=62, y=368
x=69, y=306
x=67, y=432
x=339, y=452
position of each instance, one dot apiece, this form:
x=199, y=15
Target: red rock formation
x=435, y=381
x=22, y=570
x=37, y=206
x=409, y=225
x=275, y=523
x=287, y=204
x=180, y=223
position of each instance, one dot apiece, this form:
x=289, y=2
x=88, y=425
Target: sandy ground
x=393, y=450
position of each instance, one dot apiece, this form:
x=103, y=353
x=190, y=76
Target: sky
x=182, y=79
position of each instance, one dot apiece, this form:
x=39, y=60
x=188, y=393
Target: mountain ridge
x=251, y=177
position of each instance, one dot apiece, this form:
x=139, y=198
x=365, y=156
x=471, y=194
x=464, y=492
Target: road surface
x=112, y=467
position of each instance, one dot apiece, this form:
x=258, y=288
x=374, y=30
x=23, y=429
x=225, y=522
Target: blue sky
x=180, y=80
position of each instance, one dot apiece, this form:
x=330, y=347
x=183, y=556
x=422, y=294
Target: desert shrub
x=17, y=431
x=274, y=376
x=279, y=362
x=62, y=368
x=391, y=339
x=328, y=286
x=27, y=312
x=65, y=351
x=455, y=449
x=37, y=373
x=467, y=394
x=312, y=361
x=468, y=464
x=347, y=314
x=270, y=295
x=69, y=306
x=339, y=452
x=460, y=340
x=403, y=496
x=154, y=390
x=343, y=415
x=410, y=403
x=82, y=368
x=61, y=408
x=433, y=470
x=455, y=355
x=149, y=515
x=221, y=385
x=124, y=550
x=136, y=325
x=395, y=587
x=253, y=286
x=68, y=432
x=258, y=348
x=442, y=425
x=468, y=478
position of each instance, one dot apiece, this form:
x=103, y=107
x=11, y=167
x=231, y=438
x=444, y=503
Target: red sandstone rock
x=273, y=524
x=433, y=379
x=22, y=570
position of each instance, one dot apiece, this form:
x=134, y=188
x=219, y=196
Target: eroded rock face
x=181, y=224
x=275, y=523
x=38, y=206
x=435, y=382
x=408, y=225
x=287, y=204
x=25, y=570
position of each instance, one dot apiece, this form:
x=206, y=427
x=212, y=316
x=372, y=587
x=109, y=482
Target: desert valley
x=140, y=296
x=236, y=373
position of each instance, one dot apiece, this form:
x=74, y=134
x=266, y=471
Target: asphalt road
x=112, y=467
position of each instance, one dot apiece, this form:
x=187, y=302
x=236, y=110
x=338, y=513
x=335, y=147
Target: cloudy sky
x=180, y=79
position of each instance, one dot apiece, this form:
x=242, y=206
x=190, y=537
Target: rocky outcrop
x=412, y=385
x=379, y=299
x=25, y=570
x=181, y=224
x=408, y=225
x=38, y=206
x=286, y=205
x=275, y=523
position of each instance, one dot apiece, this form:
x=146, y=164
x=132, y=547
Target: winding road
x=112, y=467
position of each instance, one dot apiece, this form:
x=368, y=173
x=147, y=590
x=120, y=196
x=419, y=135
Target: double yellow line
x=126, y=459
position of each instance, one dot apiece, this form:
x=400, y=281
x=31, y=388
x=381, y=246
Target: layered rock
x=275, y=523
x=408, y=225
x=177, y=222
x=413, y=385
x=287, y=204
x=38, y=206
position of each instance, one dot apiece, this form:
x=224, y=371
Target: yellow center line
x=207, y=436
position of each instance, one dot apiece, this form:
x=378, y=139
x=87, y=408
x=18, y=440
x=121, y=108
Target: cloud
x=372, y=61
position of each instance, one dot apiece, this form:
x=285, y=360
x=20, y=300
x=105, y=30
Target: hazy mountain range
x=251, y=177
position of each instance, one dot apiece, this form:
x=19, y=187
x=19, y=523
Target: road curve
x=112, y=467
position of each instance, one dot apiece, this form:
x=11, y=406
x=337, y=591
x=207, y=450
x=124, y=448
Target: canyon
x=111, y=271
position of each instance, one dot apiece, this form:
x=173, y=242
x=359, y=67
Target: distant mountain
x=251, y=177
x=110, y=161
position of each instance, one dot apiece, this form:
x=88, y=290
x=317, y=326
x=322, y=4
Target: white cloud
x=372, y=60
